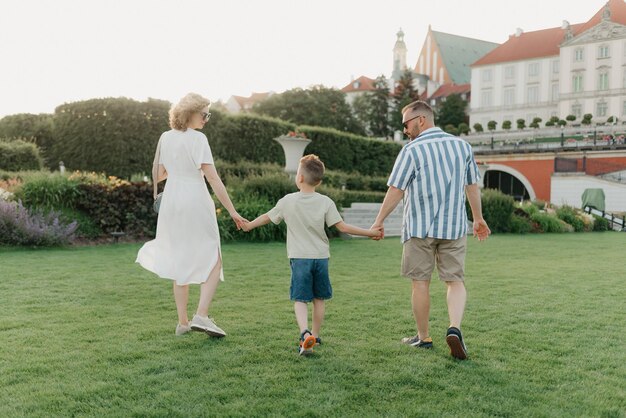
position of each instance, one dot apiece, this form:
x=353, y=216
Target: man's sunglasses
x=405, y=124
x=206, y=116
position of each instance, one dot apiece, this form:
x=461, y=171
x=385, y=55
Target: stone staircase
x=364, y=214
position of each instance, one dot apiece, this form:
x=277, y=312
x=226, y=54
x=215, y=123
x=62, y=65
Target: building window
x=485, y=98
x=577, y=110
x=624, y=108
x=533, y=69
x=509, y=72
x=603, y=81
x=555, y=67
x=603, y=51
x=509, y=97
x=554, y=94
x=487, y=75
x=601, y=109
x=532, y=95
x=577, y=83
x=578, y=55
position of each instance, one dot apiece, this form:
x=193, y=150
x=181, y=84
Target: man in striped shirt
x=433, y=173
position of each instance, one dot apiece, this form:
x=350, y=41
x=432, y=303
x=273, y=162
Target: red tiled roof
x=364, y=84
x=450, y=88
x=536, y=44
x=249, y=101
x=618, y=15
x=545, y=42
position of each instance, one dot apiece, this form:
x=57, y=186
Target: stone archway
x=516, y=175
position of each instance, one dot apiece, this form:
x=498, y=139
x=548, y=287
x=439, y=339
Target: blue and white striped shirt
x=433, y=171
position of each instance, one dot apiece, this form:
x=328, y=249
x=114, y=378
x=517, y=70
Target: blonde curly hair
x=181, y=112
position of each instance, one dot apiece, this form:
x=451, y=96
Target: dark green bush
x=548, y=223
x=569, y=215
x=37, y=128
x=19, y=155
x=119, y=206
x=497, y=209
x=520, y=224
x=250, y=208
x=600, y=224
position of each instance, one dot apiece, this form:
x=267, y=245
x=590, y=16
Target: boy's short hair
x=312, y=168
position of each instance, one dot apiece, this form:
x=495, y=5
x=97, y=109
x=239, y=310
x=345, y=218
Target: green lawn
x=86, y=332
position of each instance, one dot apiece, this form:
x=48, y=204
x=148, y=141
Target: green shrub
x=250, y=208
x=19, y=155
x=497, y=210
x=548, y=223
x=49, y=191
x=600, y=224
x=230, y=171
x=272, y=187
x=520, y=224
x=569, y=215
x=87, y=228
x=37, y=128
x=539, y=204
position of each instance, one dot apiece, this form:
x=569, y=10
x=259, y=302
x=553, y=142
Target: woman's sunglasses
x=206, y=116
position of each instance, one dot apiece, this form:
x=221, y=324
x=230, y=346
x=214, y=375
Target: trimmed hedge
x=19, y=155
x=348, y=152
x=114, y=136
x=37, y=128
x=246, y=137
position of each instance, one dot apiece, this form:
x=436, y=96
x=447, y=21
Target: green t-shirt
x=305, y=215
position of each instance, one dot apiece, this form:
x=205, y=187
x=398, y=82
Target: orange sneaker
x=306, y=343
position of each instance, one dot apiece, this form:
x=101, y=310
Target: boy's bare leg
x=302, y=315
x=420, y=302
x=319, y=308
x=457, y=295
x=181, y=296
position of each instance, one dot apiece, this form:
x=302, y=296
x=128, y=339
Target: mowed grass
x=86, y=332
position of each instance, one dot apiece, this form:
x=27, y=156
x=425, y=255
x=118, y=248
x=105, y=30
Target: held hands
x=378, y=231
x=481, y=229
x=239, y=220
x=246, y=227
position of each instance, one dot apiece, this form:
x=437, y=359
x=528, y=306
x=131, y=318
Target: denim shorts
x=309, y=279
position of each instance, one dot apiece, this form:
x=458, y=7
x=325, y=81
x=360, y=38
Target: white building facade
x=572, y=70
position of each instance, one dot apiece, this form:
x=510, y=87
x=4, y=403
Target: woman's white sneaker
x=206, y=324
x=182, y=329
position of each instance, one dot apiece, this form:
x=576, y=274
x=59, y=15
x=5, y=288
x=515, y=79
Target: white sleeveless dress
x=187, y=244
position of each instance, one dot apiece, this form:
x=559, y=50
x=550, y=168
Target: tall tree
x=452, y=111
x=316, y=106
x=379, y=108
x=404, y=93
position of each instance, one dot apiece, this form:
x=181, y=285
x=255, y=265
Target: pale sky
x=58, y=51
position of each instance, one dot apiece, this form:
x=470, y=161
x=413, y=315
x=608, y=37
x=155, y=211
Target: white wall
x=521, y=108
x=568, y=189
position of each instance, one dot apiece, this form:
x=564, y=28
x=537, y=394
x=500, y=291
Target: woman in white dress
x=187, y=244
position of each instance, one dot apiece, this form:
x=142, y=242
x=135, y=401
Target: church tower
x=399, y=56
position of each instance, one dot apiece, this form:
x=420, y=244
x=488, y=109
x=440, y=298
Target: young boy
x=305, y=213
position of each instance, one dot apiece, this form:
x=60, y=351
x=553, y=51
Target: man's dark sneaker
x=416, y=342
x=454, y=338
x=318, y=341
x=307, y=341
